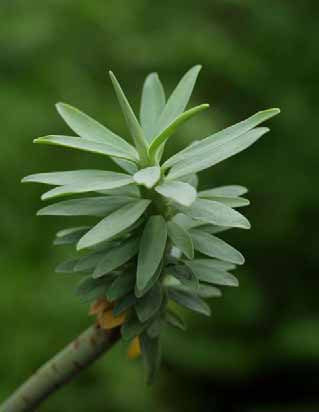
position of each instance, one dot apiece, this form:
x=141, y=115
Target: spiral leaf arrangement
x=155, y=243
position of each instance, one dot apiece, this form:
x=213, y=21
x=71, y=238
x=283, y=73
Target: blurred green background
x=260, y=350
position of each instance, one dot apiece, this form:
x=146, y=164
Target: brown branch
x=61, y=369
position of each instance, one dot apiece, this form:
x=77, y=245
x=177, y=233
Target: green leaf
x=141, y=292
x=211, y=264
x=181, y=239
x=154, y=329
x=220, y=145
x=89, y=146
x=174, y=320
x=71, y=235
x=189, y=301
x=130, y=190
x=113, y=224
x=212, y=246
x=131, y=121
x=172, y=127
x=101, y=181
x=126, y=165
x=214, y=153
x=208, y=291
x=216, y=213
x=231, y=190
x=152, y=104
x=116, y=257
x=90, y=129
x=132, y=327
x=206, y=273
x=124, y=304
x=152, y=247
x=180, y=192
x=148, y=305
x=148, y=177
x=191, y=179
x=67, y=266
x=151, y=353
x=65, y=178
x=121, y=286
x=178, y=100
x=227, y=200
x=87, y=206
x=184, y=274
x=92, y=289
x=89, y=261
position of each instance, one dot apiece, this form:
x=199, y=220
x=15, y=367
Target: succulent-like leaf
x=86, y=206
x=149, y=304
x=89, y=146
x=178, y=100
x=181, y=239
x=212, y=246
x=152, y=104
x=180, y=192
x=116, y=257
x=230, y=190
x=131, y=120
x=152, y=247
x=148, y=177
x=225, y=138
x=113, y=224
x=172, y=127
x=216, y=213
x=189, y=301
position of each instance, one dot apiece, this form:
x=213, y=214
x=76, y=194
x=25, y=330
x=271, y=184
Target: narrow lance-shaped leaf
x=116, y=257
x=180, y=192
x=207, y=145
x=148, y=305
x=151, y=353
x=88, y=146
x=212, y=246
x=86, y=206
x=148, y=177
x=71, y=235
x=215, y=153
x=189, y=301
x=152, y=104
x=181, y=239
x=152, y=247
x=65, y=178
x=113, y=224
x=216, y=213
x=230, y=190
x=132, y=123
x=178, y=100
x=227, y=200
x=216, y=276
x=90, y=129
x=167, y=133
x=106, y=180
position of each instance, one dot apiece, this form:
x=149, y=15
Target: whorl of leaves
x=156, y=238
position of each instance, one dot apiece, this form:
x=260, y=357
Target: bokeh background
x=260, y=350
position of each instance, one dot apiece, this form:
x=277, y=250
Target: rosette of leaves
x=155, y=242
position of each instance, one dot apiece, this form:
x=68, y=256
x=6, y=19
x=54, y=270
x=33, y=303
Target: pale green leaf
x=65, y=178
x=181, y=239
x=113, y=224
x=206, y=273
x=126, y=165
x=216, y=213
x=148, y=177
x=131, y=120
x=189, y=301
x=212, y=246
x=89, y=146
x=227, y=200
x=172, y=127
x=214, y=141
x=102, y=181
x=152, y=247
x=178, y=100
x=87, y=206
x=152, y=104
x=90, y=129
x=230, y=190
x=116, y=257
x=211, y=264
x=213, y=153
x=180, y=192
x=71, y=235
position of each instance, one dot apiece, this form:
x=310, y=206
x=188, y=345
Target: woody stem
x=61, y=369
